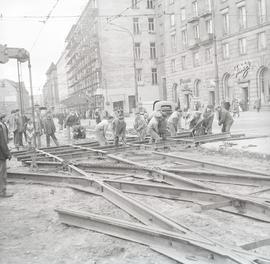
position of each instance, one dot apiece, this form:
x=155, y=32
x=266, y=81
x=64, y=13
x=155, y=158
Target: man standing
x=39, y=126
x=174, y=121
x=72, y=120
x=4, y=155
x=49, y=130
x=119, y=129
x=225, y=119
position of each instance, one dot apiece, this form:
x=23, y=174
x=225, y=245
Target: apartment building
x=112, y=58
x=220, y=43
x=50, y=89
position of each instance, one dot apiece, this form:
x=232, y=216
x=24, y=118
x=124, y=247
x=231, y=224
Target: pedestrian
x=101, y=130
x=257, y=104
x=49, y=129
x=4, y=155
x=119, y=129
x=97, y=116
x=30, y=131
x=235, y=108
x=152, y=127
x=225, y=119
x=140, y=126
x=61, y=119
x=14, y=127
x=174, y=121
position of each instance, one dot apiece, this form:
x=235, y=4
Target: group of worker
x=159, y=124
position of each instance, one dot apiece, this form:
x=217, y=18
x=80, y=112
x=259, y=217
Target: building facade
x=50, y=89
x=113, y=59
x=11, y=96
x=220, y=44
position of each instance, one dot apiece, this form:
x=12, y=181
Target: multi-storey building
x=112, y=58
x=62, y=78
x=50, y=89
x=11, y=96
x=222, y=44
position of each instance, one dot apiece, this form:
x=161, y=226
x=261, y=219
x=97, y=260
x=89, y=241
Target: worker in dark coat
x=4, y=155
x=49, y=129
x=119, y=129
x=225, y=119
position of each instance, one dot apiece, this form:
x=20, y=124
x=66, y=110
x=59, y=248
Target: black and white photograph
x=134, y=131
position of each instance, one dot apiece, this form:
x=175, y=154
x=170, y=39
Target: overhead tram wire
x=44, y=24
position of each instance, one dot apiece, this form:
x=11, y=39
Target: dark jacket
x=4, y=150
x=49, y=127
x=224, y=117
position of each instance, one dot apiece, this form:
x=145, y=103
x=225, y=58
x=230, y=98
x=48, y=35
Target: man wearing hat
x=140, y=125
x=4, y=155
x=119, y=129
x=152, y=127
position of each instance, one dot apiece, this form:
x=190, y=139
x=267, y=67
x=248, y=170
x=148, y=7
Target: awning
x=75, y=100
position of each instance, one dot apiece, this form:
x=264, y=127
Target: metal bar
x=256, y=244
x=185, y=249
x=212, y=165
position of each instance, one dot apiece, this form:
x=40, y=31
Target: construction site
x=172, y=202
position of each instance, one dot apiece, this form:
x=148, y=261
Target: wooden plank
x=216, y=205
x=256, y=244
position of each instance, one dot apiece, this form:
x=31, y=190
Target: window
x=173, y=65
x=184, y=38
x=225, y=51
x=195, y=8
x=261, y=11
x=261, y=41
x=242, y=46
x=136, y=26
x=196, y=31
x=137, y=50
x=172, y=19
x=226, y=23
x=139, y=75
x=150, y=4
x=208, y=55
x=183, y=62
x=154, y=76
x=151, y=25
x=196, y=59
x=183, y=14
x=173, y=42
x=153, y=50
x=134, y=4
x=208, y=5
x=209, y=26
x=242, y=17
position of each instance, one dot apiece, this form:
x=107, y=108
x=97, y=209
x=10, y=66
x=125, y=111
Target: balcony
x=205, y=13
x=194, y=43
x=194, y=18
x=207, y=39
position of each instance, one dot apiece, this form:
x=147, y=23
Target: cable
x=44, y=24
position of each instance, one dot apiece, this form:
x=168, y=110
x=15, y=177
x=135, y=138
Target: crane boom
x=22, y=55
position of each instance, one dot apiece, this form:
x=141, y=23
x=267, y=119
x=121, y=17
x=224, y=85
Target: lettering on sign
x=241, y=70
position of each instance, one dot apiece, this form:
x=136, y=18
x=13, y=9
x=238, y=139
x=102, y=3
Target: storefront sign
x=241, y=70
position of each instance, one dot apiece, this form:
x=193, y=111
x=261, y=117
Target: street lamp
x=123, y=29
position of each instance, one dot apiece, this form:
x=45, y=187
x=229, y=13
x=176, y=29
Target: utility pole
x=217, y=99
x=20, y=89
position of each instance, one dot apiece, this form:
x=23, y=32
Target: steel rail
x=211, y=165
x=179, y=247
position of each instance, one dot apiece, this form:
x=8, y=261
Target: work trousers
x=141, y=134
x=48, y=139
x=100, y=137
x=16, y=138
x=172, y=128
x=3, y=176
x=38, y=138
x=226, y=127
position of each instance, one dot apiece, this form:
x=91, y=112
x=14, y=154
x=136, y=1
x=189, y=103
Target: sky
x=44, y=41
